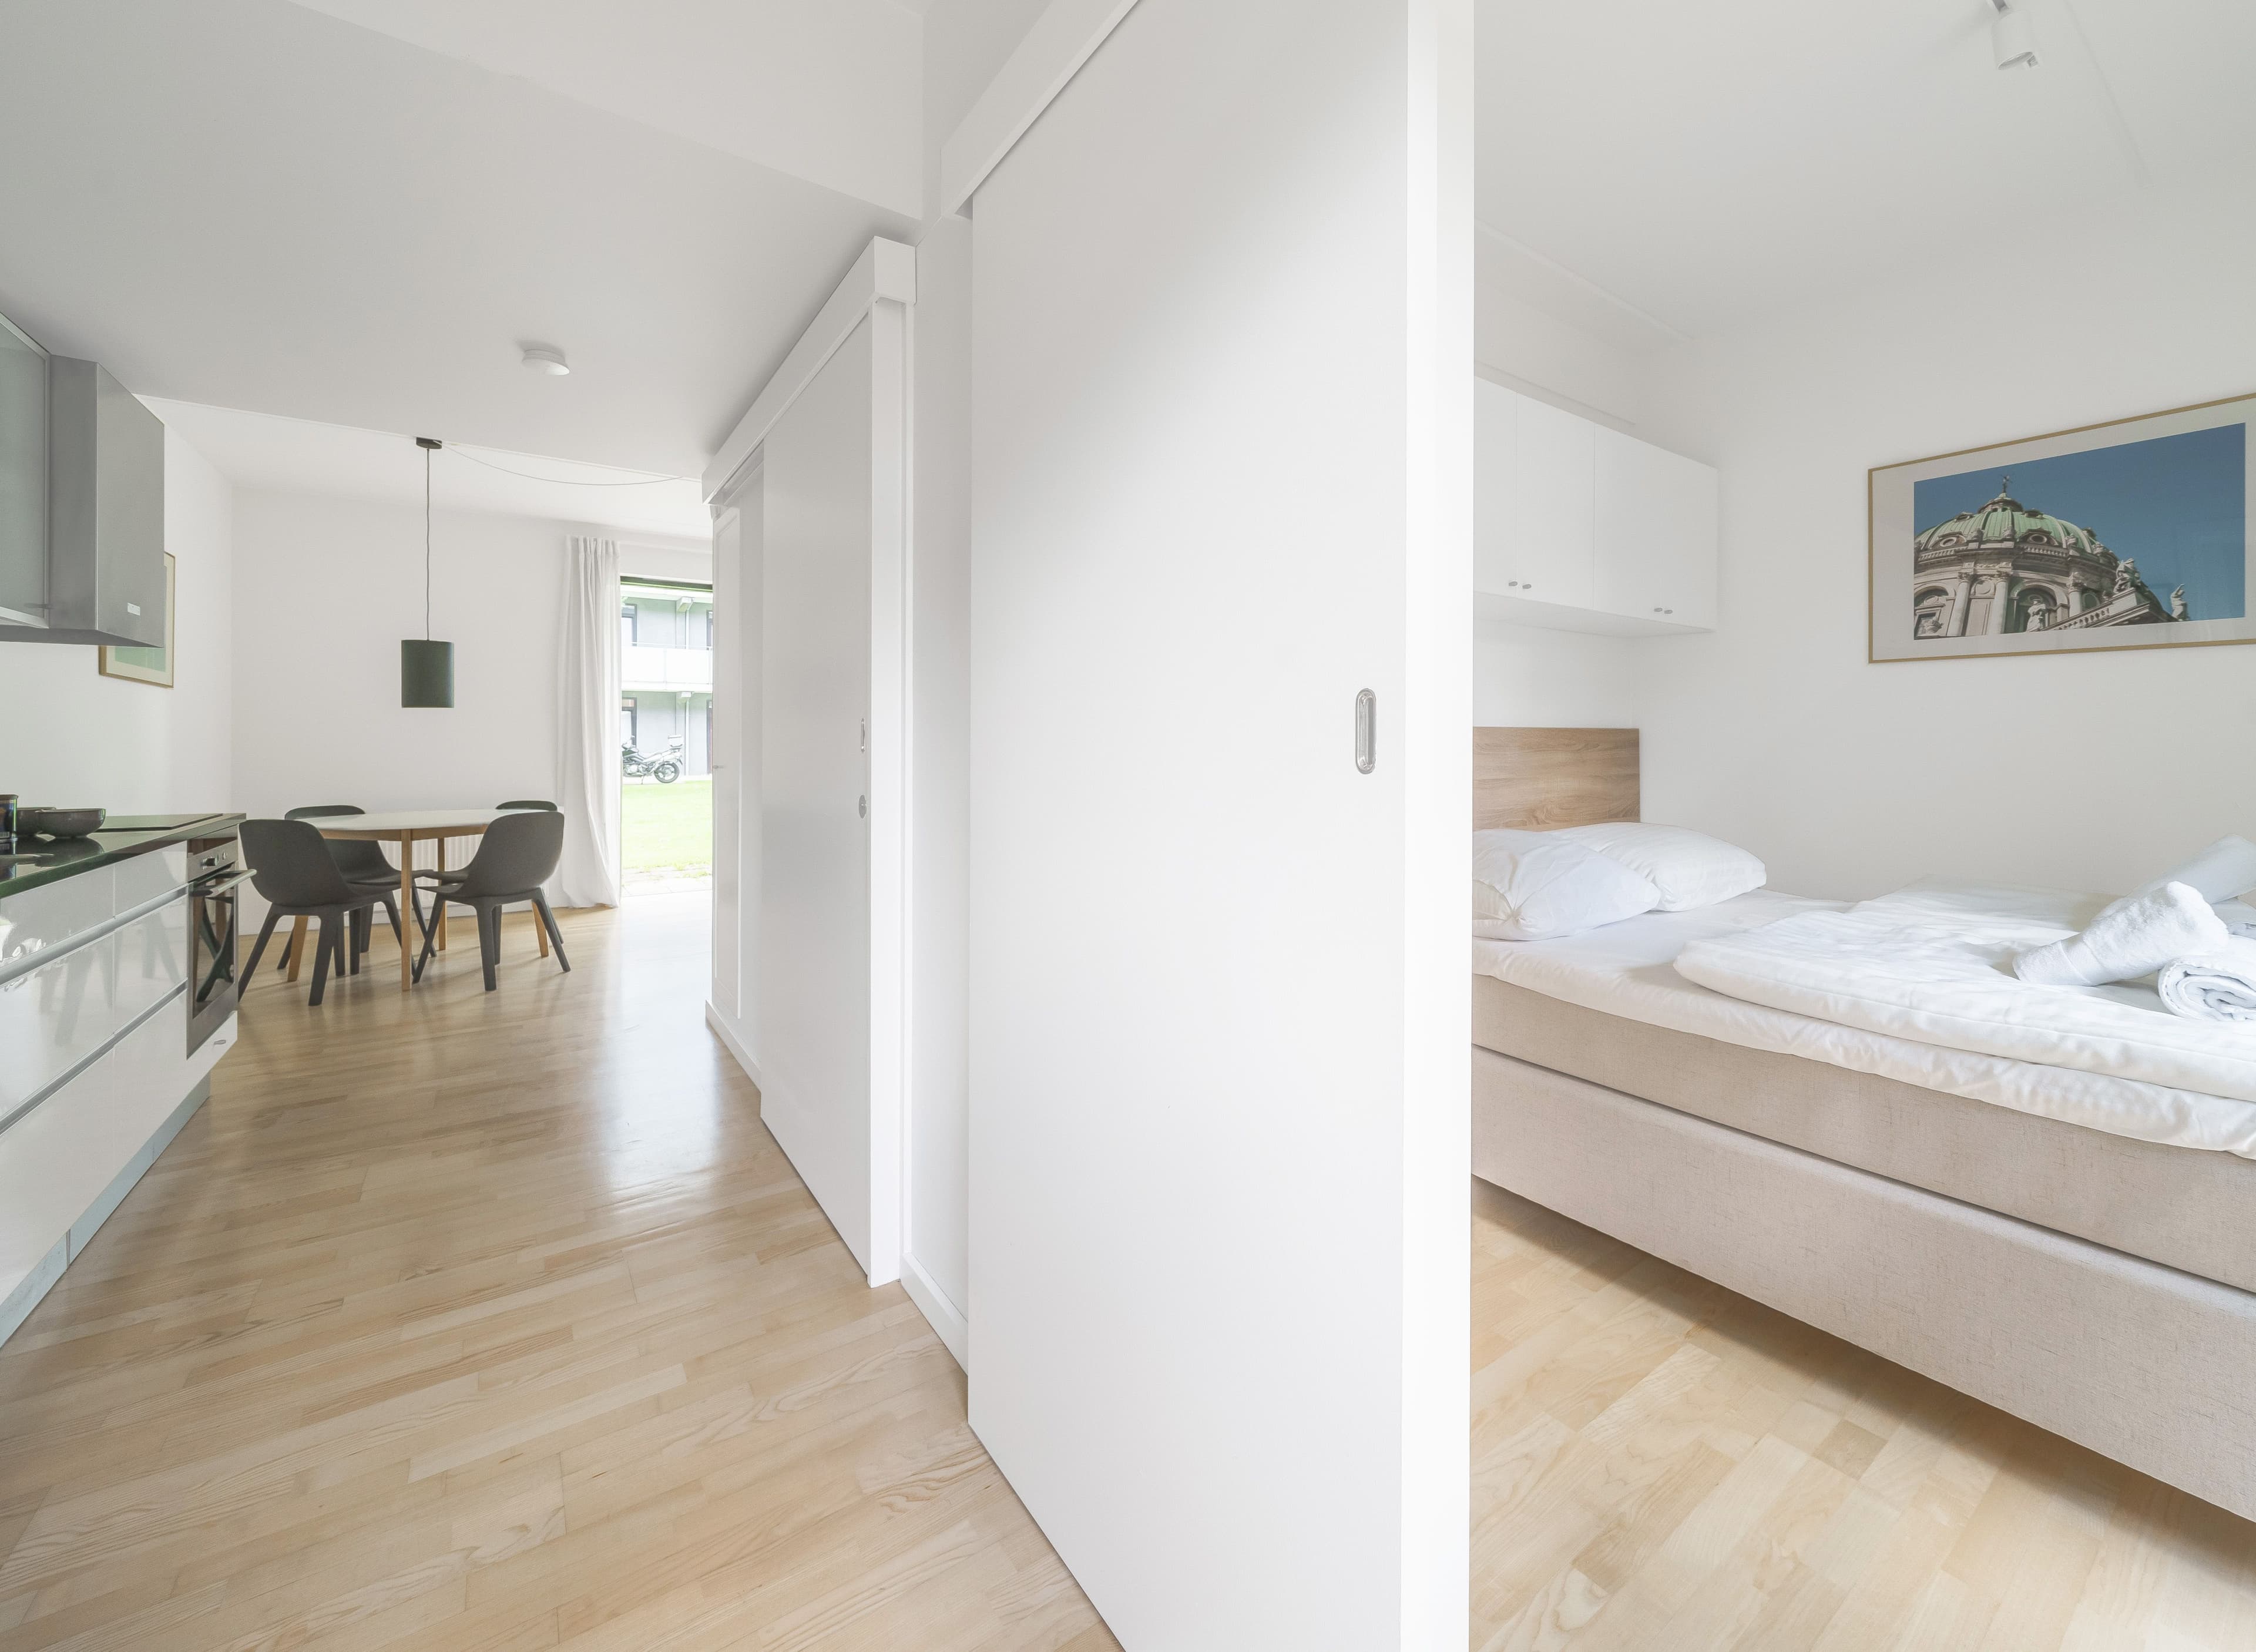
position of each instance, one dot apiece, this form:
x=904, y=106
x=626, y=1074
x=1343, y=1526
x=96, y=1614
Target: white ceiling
x=830, y=92
x=1656, y=168
x=248, y=204
x=297, y=456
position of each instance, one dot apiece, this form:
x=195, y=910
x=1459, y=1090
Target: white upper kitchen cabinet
x=1579, y=527
x=1656, y=533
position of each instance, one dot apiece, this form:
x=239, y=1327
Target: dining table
x=408, y=828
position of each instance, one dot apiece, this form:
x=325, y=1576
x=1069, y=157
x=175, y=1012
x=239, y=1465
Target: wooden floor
x=464, y=1321
x=1658, y=1464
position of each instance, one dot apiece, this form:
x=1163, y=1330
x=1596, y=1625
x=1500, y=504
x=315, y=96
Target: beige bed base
x=2140, y=1362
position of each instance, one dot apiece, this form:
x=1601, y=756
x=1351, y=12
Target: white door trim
x=886, y=270
x=1063, y=38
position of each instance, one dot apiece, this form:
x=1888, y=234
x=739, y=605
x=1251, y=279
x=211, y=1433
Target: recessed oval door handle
x=1366, y=731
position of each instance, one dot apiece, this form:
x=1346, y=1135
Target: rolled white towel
x=2135, y=937
x=2226, y=868
x=2240, y=917
x=2215, y=986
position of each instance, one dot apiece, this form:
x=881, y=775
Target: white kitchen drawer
x=55, y=1014
x=145, y=876
x=41, y=918
x=60, y=1161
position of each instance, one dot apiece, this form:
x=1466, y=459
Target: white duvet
x=1914, y=986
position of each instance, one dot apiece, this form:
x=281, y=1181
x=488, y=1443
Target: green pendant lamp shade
x=426, y=668
x=426, y=673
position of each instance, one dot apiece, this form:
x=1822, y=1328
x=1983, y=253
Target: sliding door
x=1218, y=979
x=831, y=791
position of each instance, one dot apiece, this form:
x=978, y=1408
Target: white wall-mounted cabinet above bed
x=1579, y=527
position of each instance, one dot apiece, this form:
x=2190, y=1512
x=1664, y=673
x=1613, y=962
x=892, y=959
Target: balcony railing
x=641, y=667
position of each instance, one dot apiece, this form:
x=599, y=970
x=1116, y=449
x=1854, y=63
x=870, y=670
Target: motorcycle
x=665, y=768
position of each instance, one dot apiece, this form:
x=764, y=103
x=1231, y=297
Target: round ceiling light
x=542, y=359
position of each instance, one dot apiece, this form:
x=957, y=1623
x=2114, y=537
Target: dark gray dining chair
x=518, y=854
x=456, y=876
x=363, y=863
x=293, y=870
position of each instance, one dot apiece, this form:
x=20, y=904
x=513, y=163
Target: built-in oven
x=216, y=883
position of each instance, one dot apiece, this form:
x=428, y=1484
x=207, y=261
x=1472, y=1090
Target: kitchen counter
x=114, y=1009
x=38, y=861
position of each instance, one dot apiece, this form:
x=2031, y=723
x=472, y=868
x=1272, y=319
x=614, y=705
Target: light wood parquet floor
x=485, y=1323
x=1659, y=1464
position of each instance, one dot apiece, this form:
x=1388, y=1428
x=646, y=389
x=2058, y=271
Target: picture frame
x=2135, y=532
x=151, y=666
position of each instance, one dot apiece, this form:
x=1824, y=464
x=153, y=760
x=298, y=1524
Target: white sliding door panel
x=729, y=654
x=1222, y=450
x=816, y=1008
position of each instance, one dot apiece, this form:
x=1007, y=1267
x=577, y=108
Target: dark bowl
x=60, y=822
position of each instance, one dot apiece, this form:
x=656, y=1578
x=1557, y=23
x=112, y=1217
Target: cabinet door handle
x=1366, y=731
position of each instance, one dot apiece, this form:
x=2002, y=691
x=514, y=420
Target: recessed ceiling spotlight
x=2012, y=37
x=543, y=359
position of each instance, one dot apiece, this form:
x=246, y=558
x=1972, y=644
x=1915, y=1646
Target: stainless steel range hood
x=103, y=575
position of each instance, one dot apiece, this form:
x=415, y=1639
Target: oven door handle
x=207, y=891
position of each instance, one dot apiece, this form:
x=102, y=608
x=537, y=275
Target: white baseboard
x=727, y=1035
x=945, y=1318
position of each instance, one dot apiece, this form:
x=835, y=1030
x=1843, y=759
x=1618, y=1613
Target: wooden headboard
x=1539, y=779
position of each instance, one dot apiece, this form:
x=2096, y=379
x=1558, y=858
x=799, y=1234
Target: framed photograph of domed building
x=2132, y=534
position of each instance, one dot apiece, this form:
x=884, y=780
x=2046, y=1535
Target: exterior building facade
x=666, y=670
x=2005, y=567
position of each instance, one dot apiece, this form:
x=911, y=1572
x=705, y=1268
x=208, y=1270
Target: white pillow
x=1531, y=887
x=1690, y=868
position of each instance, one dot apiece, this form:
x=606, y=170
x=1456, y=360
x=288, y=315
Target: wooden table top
x=392, y=823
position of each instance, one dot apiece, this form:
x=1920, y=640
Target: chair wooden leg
x=259, y=947
x=540, y=931
x=327, y=944
x=547, y=921
x=295, y=952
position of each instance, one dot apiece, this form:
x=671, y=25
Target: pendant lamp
x=426, y=668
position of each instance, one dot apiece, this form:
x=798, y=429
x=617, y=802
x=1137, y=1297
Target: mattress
x=1932, y=964
x=1609, y=1008
x=2184, y=1210
x=1628, y=971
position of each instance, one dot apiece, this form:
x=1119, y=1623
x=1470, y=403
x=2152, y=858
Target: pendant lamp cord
x=427, y=544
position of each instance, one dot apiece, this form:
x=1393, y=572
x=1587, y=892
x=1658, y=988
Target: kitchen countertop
x=39, y=860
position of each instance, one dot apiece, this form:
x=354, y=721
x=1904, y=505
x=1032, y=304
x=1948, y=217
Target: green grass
x=667, y=828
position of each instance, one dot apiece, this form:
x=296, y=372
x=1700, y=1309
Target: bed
x=1922, y=1204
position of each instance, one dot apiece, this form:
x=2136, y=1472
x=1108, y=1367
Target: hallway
x=463, y=1320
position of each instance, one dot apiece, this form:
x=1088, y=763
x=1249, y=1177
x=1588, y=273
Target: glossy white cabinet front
x=55, y=1014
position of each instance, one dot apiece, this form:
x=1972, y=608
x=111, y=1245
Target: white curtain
x=588, y=726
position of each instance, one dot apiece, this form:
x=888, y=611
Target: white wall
x=325, y=590
x=1525, y=677
x=73, y=737
x=2083, y=771
x=1222, y=323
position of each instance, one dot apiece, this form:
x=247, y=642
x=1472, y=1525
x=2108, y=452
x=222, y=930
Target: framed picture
x=2132, y=534
x=146, y=664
